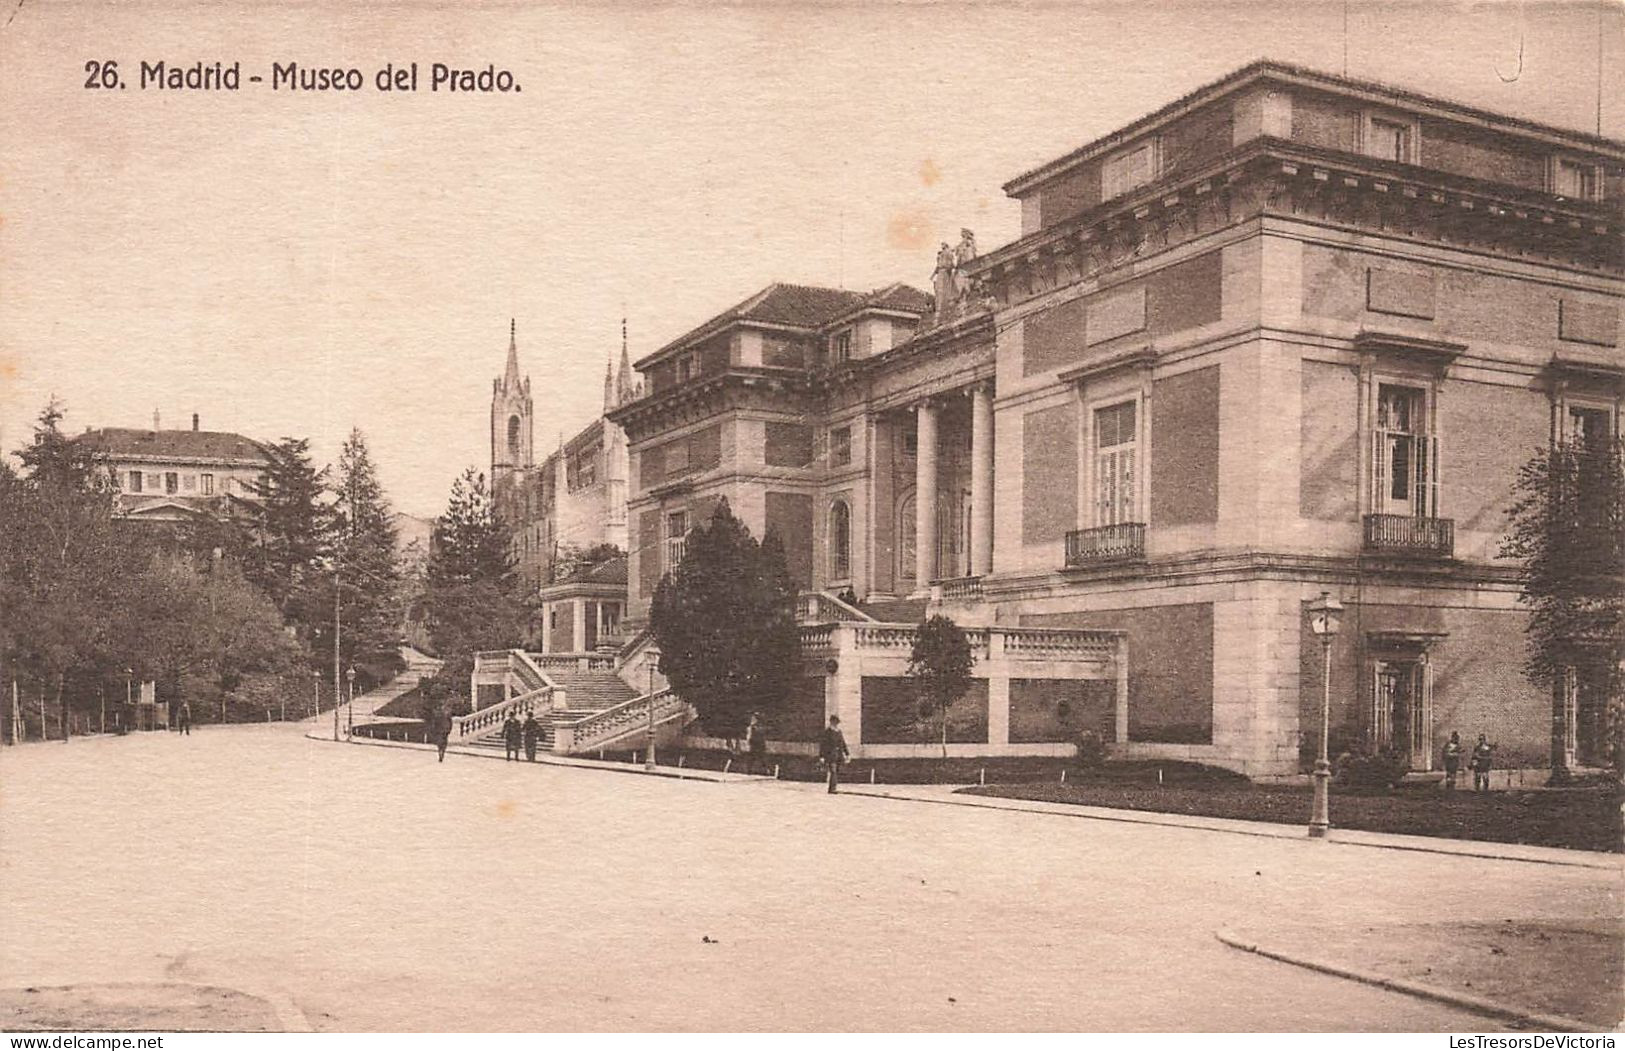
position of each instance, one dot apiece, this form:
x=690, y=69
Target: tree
x=54, y=460
x=471, y=595
x=940, y=665
x=289, y=530
x=367, y=566
x=725, y=624
x=1567, y=530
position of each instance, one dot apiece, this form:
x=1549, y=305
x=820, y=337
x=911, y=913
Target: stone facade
x=1290, y=334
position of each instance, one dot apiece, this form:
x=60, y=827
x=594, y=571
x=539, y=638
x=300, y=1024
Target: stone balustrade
x=602, y=729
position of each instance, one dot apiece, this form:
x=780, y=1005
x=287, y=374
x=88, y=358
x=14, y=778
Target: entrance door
x=1402, y=715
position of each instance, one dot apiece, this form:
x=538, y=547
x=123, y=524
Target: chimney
x=194, y=421
x=155, y=420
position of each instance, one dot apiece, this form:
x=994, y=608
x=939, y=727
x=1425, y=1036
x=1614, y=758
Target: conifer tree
x=471, y=592
x=367, y=571
x=725, y=623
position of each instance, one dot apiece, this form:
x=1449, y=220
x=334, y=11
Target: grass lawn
x=1586, y=818
x=401, y=731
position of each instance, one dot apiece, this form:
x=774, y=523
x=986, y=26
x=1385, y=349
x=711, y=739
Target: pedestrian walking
x=832, y=752
x=756, y=742
x=1452, y=760
x=186, y=718
x=440, y=727
x=532, y=731
x=1483, y=752
x=510, y=736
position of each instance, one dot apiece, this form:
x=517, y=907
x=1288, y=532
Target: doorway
x=1402, y=712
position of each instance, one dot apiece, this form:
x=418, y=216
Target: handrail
x=628, y=717
x=819, y=607
x=493, y=714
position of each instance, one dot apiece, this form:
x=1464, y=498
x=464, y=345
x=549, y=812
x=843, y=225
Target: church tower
x=617, y=459
x=512, y=448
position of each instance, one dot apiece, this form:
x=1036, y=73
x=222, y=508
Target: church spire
x=510, y=376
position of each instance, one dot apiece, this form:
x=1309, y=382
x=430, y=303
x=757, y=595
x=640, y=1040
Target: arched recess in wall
x=905, y=543
x=840, y=541
x=513, y=438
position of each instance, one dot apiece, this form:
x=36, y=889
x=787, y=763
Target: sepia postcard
x=812, y=517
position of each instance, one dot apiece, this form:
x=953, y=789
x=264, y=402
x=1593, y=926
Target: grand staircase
x=598, y=709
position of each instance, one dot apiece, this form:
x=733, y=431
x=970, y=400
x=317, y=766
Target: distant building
x=573, y=501
x=169, y=476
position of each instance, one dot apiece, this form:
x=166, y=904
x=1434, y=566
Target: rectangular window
x=840, y=446
x=1389, y=140
x=172, y=481
x=1116, y=446
x=676, y=538
x=1405, y=455
x=206, y=481
x=1574, y=179
x=841, y=347
x=1588, y=425
x=135, y=481
x=685, y=369
x=1132, y=168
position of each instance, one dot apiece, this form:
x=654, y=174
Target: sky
x=304, y=263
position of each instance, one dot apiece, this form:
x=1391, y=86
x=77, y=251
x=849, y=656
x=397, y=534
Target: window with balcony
x=1125, y=171
x=840, y=540
x=1115, y=446
x=1405, y=477
x=1118, y=532
x=840, y=446
x=676, y=538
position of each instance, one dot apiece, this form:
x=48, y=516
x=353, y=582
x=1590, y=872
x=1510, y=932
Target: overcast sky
x=290, y=263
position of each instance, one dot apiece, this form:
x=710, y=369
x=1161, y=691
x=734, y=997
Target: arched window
x=840, y=540
x=513, y=437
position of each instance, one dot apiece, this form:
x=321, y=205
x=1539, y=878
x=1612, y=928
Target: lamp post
x=1325, y=618
x=649, y=756
x=129, y=706
x=349, y=675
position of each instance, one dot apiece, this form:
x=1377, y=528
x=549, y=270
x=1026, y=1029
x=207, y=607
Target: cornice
x=1277, y=177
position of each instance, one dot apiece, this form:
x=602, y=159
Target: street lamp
x=349, y=675
x=129, y=707
x=1325, y=618
x=649, y=756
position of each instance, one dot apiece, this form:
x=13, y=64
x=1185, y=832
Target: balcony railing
x=1103, y=545
x=1410, y=535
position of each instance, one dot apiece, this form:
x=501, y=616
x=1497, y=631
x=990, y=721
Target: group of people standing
x=516, y=733
x=1479, y=761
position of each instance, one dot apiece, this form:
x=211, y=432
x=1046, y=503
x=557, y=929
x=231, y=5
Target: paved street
x=378, y=890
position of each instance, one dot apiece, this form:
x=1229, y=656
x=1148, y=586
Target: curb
x=1479, y=1005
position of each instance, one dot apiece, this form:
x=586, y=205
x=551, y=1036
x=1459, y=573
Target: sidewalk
x=947, y=795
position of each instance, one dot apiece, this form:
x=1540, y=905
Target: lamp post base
x=1320, y=819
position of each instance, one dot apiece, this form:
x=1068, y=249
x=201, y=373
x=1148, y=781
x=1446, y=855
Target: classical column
x=925, y=495
x=981, y=480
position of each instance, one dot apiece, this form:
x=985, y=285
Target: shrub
x=1091, y=749
x=1368, y=769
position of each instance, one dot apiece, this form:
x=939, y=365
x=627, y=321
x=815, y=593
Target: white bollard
x=1159, y=775
x=1063, y=775
x=981, y=776
x=775, y=771
x=727, y=766
x=680, y=759
x=871, y=775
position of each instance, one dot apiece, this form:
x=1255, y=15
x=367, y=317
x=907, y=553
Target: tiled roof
x=1328, y=81
x=611, y=572
x=175, y=445
x=802, y=306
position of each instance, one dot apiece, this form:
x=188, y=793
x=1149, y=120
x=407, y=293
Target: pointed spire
x=623, y=378
x=510, y=376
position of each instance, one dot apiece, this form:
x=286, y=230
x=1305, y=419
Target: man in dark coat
x=1483, y=752
x=756, y=742
x=186, y=718
x=440, y=730
x=532, y=731
x=510, y=736
x=832, y=752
